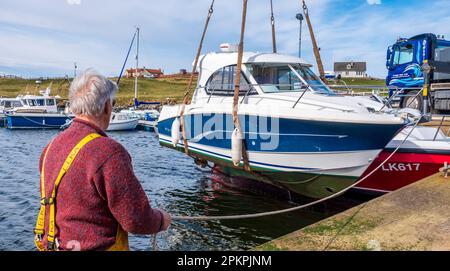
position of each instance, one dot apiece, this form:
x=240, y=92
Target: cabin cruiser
x=34, y=111
x=298, y=133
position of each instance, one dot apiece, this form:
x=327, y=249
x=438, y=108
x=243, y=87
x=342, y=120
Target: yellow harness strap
x=40, y=224
x=121, y=243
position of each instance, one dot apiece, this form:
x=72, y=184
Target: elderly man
x=90, y=197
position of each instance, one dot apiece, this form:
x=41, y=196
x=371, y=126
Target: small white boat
x=148, y=118
x=122, y=122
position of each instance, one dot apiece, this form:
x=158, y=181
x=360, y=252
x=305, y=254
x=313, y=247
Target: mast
x=136, y=102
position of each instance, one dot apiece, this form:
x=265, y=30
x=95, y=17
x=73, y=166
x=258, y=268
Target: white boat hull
x=125, y=125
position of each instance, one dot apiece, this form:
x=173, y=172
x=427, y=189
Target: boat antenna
x=126, y=58
x=237, y=81
x=136, y=75
x=191, y=78
x=272, y=22
x=314, y=43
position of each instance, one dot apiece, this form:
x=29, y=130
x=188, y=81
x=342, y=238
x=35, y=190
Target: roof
x=158, y=71
x=350, y=66
x=211, y=62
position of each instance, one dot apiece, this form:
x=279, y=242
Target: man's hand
x=166, y=220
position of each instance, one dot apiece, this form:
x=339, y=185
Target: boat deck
x=436, y=122
x=416, y=217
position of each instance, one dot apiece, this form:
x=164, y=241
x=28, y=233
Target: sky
x=46, y=37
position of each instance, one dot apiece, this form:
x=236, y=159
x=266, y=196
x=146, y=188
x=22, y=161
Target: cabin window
x=283, y=77
x=31, y=102
x=221, y=83
x=16, y=104
x=403, y=54
x=50, y=102
x=40, y=102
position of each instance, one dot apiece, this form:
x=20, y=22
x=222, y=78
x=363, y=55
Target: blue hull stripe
x=229, y=158
x=292, y=135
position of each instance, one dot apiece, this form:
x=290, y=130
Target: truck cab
x=404, y=62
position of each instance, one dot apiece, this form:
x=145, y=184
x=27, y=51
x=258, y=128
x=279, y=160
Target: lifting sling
x=121, y=237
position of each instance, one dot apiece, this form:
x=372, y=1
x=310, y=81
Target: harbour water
x=171, y=180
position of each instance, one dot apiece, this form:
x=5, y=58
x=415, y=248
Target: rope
x=230, y=217
x=154, y=244
x=191, y=79
x=41, y=124
x=349, y=220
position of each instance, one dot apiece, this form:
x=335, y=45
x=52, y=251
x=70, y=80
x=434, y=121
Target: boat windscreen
x=273, y=78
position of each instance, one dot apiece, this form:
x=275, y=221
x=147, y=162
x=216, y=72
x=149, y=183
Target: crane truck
x=417, y=72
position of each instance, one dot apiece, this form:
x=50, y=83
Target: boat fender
x=176, y=134
x=236, y=146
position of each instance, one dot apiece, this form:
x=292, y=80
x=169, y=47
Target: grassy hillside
x=363, y=81
x=149, y=89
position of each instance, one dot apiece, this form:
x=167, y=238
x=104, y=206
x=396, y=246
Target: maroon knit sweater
x=98, y=192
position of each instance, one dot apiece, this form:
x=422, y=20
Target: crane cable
x=272, y=22
x=314, y=43
x=191, y=79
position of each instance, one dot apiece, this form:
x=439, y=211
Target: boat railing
x=389, y=93
x=252, y=87
x=442, y=118
x=384, y=94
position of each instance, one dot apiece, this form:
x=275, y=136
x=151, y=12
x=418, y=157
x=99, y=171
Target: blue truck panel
x=405, y=58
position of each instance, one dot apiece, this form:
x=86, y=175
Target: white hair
x=89, y=92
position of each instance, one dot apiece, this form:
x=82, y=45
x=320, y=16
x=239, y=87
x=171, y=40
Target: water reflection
x=172, y=181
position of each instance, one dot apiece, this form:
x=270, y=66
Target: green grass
x=363, y=81
x=149, y=89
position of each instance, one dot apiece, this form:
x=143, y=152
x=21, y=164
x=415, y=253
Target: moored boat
x=34, y=120
x=423, y=153
x=148, y=118
x=34, y=112
x=298, y=134
x=122, y=122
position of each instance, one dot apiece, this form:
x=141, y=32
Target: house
x=143, y=72
x=350, y=69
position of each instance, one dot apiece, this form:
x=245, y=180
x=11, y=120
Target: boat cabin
x=270, y=79
x=262, y=73
x=31, y=103
x=7, y=104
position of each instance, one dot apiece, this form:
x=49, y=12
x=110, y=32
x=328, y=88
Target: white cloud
x=59, y=34
x=374, y=2
x=74, y=2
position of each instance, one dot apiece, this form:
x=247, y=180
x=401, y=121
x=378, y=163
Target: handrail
x=439, y=128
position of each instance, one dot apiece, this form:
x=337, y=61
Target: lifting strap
x=50, y=201
x=191, y=79
x=237, y=83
